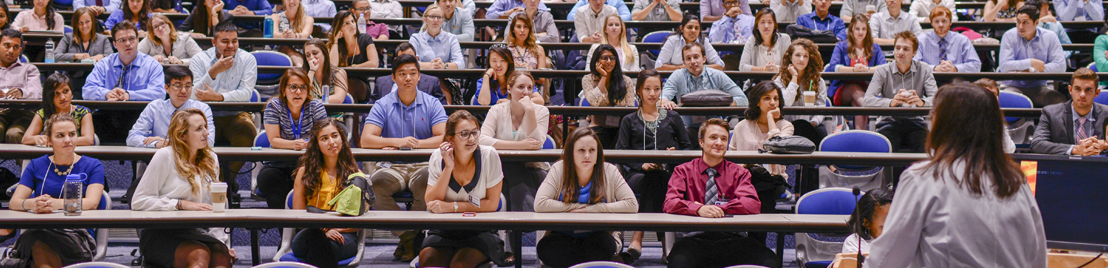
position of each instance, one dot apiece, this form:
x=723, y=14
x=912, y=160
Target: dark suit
x=428, y=84
x=1054, y=134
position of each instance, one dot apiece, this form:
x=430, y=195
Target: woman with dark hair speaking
x=947, y=207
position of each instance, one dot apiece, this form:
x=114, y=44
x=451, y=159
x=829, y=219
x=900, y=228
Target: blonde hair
x=154, y=38
x=301, y=18
x=204, y=164
x=428, y=10
x=628, y=53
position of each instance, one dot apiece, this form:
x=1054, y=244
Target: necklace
x=67, y=171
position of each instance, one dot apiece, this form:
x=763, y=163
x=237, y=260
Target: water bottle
x=72, y=192
x=361, y=24
x=49, y=51
x=268, y=25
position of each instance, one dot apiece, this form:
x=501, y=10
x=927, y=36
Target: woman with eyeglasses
x=361, y=8
x=40, y=191
x=166, y=45
x=518, y=124
x=607, y=86
x=58, y=99
x=349, y=48
x=288, y=122
x=84, y=42
x=463, y=177
x=448, y=54
x=669, y=59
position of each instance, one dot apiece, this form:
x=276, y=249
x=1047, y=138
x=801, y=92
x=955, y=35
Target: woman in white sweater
x=762, y=52
x=178, y=178
x=586, y=184
x=518, y=124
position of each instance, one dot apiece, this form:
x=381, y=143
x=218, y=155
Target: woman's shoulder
x=37, y=162
x=488, y=152
x=89, y=161
x=163, y=154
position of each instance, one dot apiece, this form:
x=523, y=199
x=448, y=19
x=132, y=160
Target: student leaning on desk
x=178, y=178
x=40, y=191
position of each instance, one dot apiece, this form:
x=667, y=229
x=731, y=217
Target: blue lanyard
x=297, y=127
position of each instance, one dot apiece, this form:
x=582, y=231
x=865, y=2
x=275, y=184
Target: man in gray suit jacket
x=1073, y=127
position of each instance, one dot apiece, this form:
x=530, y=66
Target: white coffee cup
x=219, y=196
x=809, y=98
x=871, y=9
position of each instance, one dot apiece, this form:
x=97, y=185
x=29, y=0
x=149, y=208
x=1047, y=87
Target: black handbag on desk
x=797, y=31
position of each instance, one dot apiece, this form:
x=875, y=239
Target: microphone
x=857, y=215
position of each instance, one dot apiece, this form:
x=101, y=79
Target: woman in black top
x=202, y=21
x=348, y=47
x=650, y=128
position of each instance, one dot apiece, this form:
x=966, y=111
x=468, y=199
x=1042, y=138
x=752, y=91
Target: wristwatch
x=455, y=206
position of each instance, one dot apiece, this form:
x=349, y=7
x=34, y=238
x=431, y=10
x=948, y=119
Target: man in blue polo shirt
x=404, y=119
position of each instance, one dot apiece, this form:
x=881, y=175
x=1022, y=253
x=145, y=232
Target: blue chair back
x=584, y=103
x=348, y=100
x=861, y=141
x=270, y=58
x=261, y=140
x=549, y=144
x=67, y=28
x=1102, y=98
x=656, y=37
x=831, y=201
x=254, y=96
x=23, y=59
x=1013, y=100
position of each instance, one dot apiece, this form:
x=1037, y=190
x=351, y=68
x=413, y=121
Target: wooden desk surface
x=267, y=218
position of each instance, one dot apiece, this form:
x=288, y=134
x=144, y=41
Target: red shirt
x=686, y=189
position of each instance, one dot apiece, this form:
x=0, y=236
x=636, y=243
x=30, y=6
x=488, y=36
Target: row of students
x=181, y=174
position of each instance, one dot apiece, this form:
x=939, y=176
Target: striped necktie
x=942, y=48
x=711, y=191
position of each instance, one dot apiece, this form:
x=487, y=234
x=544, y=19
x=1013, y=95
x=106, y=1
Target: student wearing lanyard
x=288, y=119
x=124, y=76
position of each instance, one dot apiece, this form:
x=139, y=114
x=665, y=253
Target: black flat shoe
x=631, y=256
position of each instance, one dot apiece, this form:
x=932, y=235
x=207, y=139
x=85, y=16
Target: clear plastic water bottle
x=49, y=51
x=72, y=192
x=361, y=24
x=268, y=25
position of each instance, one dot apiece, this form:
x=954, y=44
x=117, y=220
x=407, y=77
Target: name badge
x=385, y=164
x=475, y=201
x=720, y=202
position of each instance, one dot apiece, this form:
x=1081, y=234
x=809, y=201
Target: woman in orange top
x=323, y=173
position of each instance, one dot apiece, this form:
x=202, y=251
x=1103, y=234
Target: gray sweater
x=67, y=47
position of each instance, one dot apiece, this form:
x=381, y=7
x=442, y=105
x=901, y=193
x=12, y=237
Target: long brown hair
x=569, y=173
x=77, y=34
x=201, y=18
x=529, y=43
x=758, y=38
x=157, y=40
x=811, y=73
x=143, y=16
x=204, y=164
x=968, y=128
x=313, y=162
x=301, y=18
x=340, y=43
x=867, y=42
x=326, y=68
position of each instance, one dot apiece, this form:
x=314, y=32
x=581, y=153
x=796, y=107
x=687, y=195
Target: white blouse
x=755, y=54
x=628, y=66
x=489, y=174
x=498, y=125
x=184, y=48
x=161, y=186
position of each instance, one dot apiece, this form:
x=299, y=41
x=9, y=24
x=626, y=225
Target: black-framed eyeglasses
x=467, y=134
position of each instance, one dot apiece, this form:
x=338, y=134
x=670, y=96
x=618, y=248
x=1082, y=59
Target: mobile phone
x=469, y=214
x=405, y=148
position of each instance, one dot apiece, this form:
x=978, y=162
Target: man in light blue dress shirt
x=153, y=123
x=320, y=8
x=620, y=5
x=944, y=50
x=124, y=76
x=225, y=73
x=822, y=20
x=1027, y=48
x=734, y=28
x=1048, y=21
x=1079, y=10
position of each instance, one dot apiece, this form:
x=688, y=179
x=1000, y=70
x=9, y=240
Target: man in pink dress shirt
x=712, y=187
x=18, y=81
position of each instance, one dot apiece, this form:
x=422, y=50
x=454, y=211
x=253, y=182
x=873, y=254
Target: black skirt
x=72, y=245
x=159, y=245
x=487, y=242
